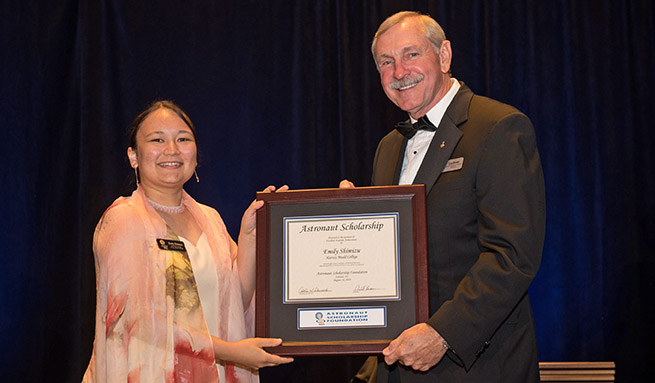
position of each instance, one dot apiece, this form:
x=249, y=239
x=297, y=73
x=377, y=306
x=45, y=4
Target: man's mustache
x=406, y=82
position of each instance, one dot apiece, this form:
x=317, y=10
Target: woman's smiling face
x=165, y=151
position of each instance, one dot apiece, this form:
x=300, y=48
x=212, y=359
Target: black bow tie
x=408, y=129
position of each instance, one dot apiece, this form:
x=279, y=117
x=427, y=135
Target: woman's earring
x=196, y=173
x=136, y=175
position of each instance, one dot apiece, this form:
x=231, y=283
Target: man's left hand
x=419, y=347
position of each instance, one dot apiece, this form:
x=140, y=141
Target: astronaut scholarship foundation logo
x=342, y=317
x=319, y=318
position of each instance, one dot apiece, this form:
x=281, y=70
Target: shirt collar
x=436, y=113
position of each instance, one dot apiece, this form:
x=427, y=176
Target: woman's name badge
x=169, y=244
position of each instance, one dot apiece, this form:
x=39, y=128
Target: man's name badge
x=454, y=164
x=169, y=244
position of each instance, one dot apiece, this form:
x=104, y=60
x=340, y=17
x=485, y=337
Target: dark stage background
x=286, y=92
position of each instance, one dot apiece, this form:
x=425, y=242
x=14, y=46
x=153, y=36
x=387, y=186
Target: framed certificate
x=340, y=271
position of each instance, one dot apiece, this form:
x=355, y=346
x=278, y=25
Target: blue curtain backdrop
x=286, y=92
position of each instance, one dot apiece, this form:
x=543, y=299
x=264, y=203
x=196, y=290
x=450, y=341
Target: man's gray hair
x=433, y=30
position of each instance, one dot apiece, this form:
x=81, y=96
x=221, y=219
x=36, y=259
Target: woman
x=173, y=289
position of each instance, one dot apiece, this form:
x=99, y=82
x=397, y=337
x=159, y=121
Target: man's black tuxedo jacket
x=486, y=226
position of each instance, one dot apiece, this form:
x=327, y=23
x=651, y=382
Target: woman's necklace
x=167, y=209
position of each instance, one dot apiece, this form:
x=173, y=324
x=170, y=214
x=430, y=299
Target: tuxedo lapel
x=438, y=154
x=387, y=166
x=445, y=139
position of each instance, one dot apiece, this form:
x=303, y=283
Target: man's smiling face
x=412, y=74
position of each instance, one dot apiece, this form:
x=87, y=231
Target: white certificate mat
x=341, y=257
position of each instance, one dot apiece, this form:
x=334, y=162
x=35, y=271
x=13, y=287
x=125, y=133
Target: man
x=485, y=209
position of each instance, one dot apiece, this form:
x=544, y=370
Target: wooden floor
x=577, y=371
